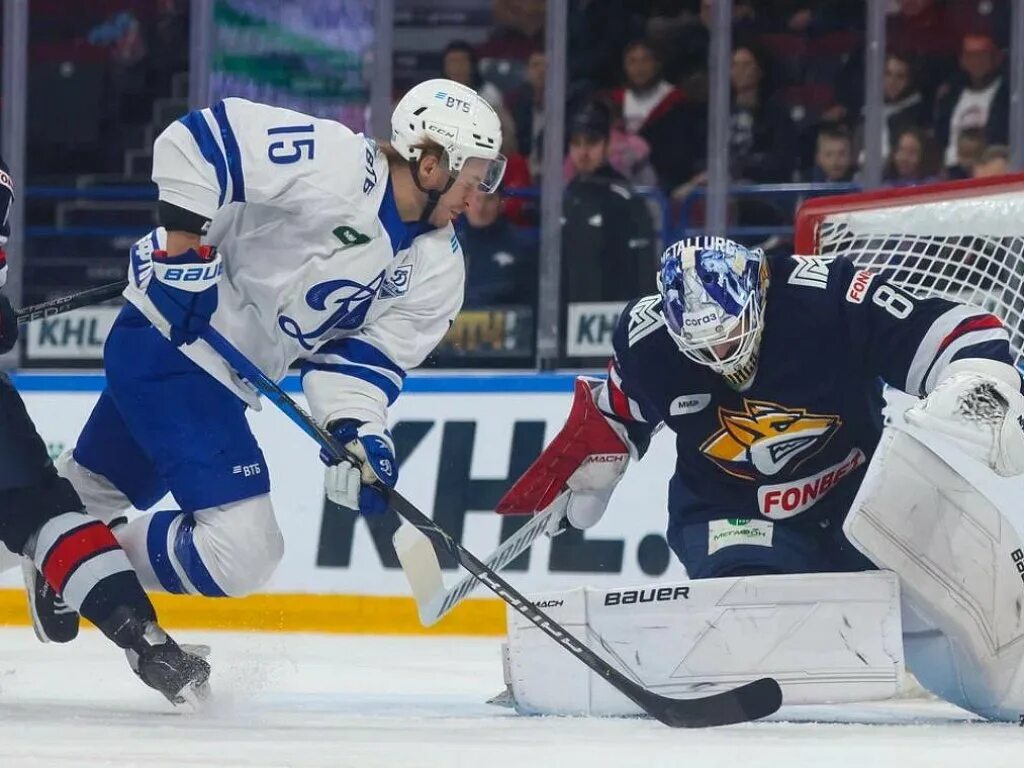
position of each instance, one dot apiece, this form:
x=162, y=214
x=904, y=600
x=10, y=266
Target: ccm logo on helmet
x=1018, y=561
x=859, y=287
x=453, y=102
x=448, y=133
x=652, y=595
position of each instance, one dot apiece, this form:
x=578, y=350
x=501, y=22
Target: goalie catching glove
x=588, y=457
x=978, y=404
x=358, y=486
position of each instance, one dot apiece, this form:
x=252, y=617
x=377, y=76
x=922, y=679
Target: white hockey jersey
x=318, y=265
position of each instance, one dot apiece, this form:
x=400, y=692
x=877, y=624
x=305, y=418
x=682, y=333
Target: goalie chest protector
x=796, y=441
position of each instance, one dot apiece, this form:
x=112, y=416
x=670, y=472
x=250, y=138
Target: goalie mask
x=713, y=293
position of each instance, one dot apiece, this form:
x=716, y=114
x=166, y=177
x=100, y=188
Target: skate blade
x=192, y=698
x=197, y=649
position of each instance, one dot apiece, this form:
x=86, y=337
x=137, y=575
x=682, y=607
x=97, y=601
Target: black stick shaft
x=67, y=303
x=748, y=702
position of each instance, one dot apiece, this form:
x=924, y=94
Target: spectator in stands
x=657, y=111
x=969, y=147
x=501, y=261
x=922, y=29
x=628, y=153
x=646, y=95
x=913, y=161
x=977, y=97
x=994, y=161
x=608, y=244
x=762, y=145
x=527, y=106
x=833, y=157
x=991, y=17
x=904, y=104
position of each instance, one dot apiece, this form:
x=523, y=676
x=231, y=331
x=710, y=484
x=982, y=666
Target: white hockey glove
x=978, y=404
x=358, y=487
x=587, y=457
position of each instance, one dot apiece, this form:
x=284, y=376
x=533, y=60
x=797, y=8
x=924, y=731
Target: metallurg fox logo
x=767, y=438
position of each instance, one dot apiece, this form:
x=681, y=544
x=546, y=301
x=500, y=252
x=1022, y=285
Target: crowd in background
x=637, y=107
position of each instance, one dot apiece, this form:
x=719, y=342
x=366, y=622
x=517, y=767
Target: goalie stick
x=747, y=702
x=67, y=303
x=423, y=571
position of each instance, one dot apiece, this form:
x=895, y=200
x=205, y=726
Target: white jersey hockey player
x=298, y=240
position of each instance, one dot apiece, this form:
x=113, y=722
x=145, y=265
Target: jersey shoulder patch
x=811, y=271
x=644, y=318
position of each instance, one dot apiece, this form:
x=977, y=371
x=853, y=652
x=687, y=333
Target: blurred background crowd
x=104, y=80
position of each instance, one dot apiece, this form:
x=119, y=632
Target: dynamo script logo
x=348, y=302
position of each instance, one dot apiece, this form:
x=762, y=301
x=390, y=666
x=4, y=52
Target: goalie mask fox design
x=766, y=439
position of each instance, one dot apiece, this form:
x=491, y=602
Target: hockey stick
x=423, y=571
x=747, y=702
x=67, y=303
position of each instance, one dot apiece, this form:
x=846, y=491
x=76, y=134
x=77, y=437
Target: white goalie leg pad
x=951, y=528
x=825, y=637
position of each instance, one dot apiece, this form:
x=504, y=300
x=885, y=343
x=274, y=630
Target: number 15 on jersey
x=289, y=149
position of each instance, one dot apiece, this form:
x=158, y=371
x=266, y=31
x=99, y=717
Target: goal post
x=962, y=239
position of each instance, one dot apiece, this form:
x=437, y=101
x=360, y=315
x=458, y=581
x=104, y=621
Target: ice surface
x=305, y=701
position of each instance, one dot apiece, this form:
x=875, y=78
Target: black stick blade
x=751, y=701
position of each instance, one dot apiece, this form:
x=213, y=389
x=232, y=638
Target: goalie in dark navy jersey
x=769, y=370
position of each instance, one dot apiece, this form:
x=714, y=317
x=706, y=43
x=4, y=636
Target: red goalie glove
x=587, y=457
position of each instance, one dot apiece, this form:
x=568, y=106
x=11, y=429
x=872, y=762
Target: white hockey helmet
x=713, y=299
x=458, y=119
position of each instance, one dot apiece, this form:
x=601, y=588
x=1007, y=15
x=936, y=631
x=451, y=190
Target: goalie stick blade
x=751, y=701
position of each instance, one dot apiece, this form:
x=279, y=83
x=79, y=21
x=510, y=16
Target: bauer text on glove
x=183, y=289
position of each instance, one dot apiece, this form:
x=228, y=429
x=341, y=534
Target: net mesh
x=927, y=255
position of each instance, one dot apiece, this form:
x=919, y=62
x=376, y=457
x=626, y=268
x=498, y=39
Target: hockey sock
x=80, y=559
x=162, y=546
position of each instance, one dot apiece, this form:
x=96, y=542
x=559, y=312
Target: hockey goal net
x=962, y=240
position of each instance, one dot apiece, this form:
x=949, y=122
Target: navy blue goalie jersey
x=797, y=440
